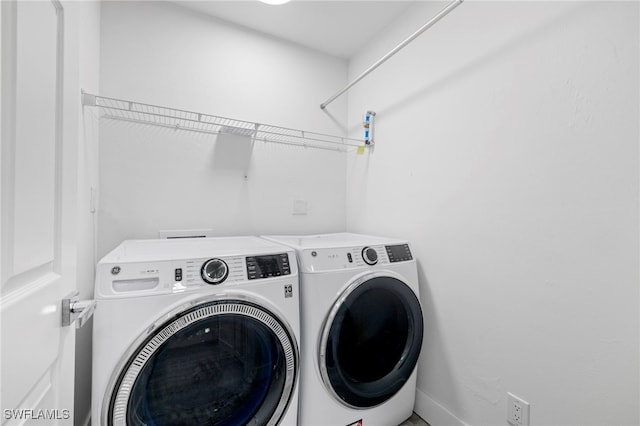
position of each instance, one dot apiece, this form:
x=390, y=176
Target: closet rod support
x=436, y=18
x=88, y=99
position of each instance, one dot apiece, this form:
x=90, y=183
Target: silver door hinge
x=76, y=310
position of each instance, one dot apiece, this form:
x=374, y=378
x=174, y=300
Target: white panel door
x=38, y=249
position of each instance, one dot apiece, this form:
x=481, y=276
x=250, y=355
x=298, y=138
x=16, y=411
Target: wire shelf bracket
x=124, y=110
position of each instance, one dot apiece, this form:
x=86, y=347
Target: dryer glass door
x=371, y=341
x=220, y=363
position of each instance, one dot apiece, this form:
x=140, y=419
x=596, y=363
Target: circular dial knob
x=214, y=271
x=370, y=256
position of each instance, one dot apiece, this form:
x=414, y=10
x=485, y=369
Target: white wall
x=507, y=152
x=155, y=179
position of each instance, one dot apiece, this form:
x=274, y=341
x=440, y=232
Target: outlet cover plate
x=300, y=207
x=517, y=410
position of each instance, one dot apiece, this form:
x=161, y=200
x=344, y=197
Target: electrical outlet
x=300, y=207
x=517, y=410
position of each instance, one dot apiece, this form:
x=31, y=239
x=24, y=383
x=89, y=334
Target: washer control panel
x=150, y=267
x=229, y=270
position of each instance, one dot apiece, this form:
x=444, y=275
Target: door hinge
x=76, y=310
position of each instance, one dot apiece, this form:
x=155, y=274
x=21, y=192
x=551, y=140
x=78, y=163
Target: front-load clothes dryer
x=196, y=332
x=362, y=327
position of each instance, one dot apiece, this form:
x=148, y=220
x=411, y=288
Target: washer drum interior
x=229, y=362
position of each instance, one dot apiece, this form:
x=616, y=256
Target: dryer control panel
x=330, y=259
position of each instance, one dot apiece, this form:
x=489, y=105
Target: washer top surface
x=337, y=240
x=189, y=248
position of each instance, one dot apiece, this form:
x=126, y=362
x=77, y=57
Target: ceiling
x=335, y=27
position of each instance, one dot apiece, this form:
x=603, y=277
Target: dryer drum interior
x=220, y=363
x=371, y=341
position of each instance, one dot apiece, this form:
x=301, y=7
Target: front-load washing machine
x=196, y=332
x=362, y=327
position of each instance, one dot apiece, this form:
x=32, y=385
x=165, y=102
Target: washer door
x=371, y=340
x=225, y=362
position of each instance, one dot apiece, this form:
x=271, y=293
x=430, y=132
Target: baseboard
x=434, y=413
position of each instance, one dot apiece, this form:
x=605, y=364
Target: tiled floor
x=414, y=421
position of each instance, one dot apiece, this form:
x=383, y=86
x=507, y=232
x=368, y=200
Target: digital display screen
x=268, y=266
x=399, y=253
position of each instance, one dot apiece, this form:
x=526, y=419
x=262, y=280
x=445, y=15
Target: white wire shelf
x=119, y=109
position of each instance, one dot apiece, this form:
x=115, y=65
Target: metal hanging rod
x=395, y=50
x=119, y=109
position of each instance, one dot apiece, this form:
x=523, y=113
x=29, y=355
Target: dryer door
x=225, y=362
x=371, y=340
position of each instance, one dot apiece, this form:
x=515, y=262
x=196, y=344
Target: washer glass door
x=219, y=363
x=371, y=341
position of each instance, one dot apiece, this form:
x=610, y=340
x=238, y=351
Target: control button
x=178, y=274
x=370, y=256
x=349, y=258
x=214, y=271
